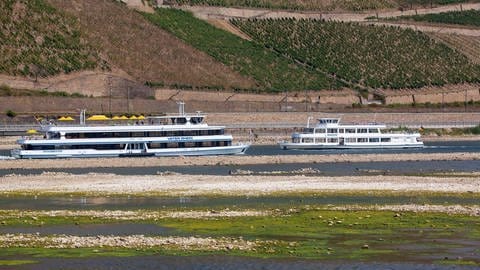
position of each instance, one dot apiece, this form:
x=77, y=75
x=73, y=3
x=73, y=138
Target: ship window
x=332, y=130
x=373, y=140
x=308, y=140
x=320, y=140
x=362, y=140
x=27, y=147
x=320, y=130
x=385, y=140
x=362, y=130
x=308, y=130
x=203, y=132
x=207, y=144
x=349, y=130
x=137, y=134
x=373, y=130
x=120, y=134
x=350, y=140
x=179, y=120
x=170, y=133
x=42, y=147
x=332, y=140
x=154, y=145
x=295, y=140
x=214, y=132
x=172, y=145
x=53, y=135
x=196, y=120
x=341, y=130
x=189, y=144
x=190, y=133
x=72, y=135
x=155, y=134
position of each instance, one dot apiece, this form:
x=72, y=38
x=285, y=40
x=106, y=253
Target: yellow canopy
x=116, y=117
x=67, y=118
x=141, y=117
x=31, y=131
x=133, y=117
x=98, y=117
x=123, y=117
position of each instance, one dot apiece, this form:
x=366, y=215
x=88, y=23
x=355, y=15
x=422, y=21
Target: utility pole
x=110, y=95
x=128, y=99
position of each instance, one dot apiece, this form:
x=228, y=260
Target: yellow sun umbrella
x=123, y=117
x=65, y=118
x=32, y=131
x=141, y=117
x=98, y=117
x=133, y=117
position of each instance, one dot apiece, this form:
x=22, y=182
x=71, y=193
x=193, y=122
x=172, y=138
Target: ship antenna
x=82, y=117
x=181, y=107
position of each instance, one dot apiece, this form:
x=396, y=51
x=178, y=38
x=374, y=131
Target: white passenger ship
x=329, y=133
x=174, y=135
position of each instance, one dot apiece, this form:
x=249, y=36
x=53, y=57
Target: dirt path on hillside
x=223, y=13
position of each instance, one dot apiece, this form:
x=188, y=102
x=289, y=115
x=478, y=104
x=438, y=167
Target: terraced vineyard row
x=374, y=56
x=467, y=17
x=470, y=46
x=323, y=5
x=270, y=70
x=37, y=40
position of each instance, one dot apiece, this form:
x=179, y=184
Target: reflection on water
x=136, y=202
x=327, y=169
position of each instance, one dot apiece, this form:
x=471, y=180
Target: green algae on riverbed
x=311, y=233
x=15, y=262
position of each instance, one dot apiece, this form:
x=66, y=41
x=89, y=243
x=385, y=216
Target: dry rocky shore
x=187, y=185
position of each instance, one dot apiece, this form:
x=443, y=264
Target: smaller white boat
x=330, y=134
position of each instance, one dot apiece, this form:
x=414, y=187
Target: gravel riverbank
x=105, y=184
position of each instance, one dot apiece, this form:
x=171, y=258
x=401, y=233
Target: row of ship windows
x=342, y=130
x=132, y=146
x=347, y=140
x=173, y=133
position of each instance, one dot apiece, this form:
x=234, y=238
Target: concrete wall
x=87, y=83
x=446, y=94
x=341, y=97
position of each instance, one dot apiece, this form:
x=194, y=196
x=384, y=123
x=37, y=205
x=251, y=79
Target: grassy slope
x=146, y=52
x=271, y=71
x=38, y=40
x=373, y=56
